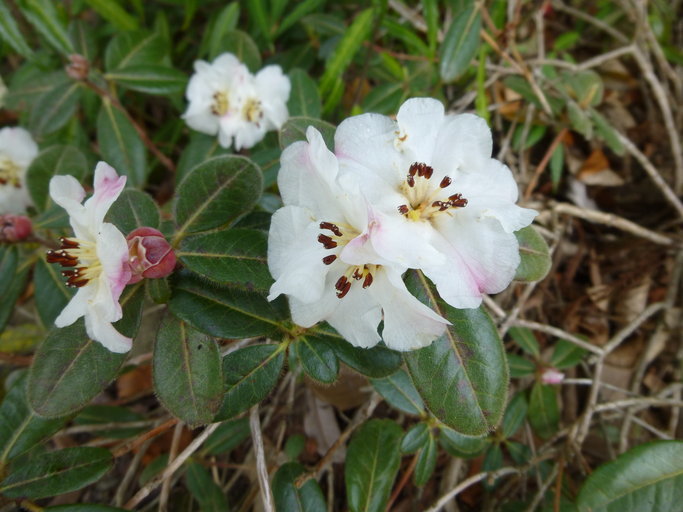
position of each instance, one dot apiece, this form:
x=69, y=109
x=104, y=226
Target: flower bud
x=14, y=228
x=78, y=67
x=151, y=256
x=551, y=376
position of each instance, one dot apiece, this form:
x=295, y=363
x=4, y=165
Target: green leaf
x=460, y=44
x=295, y=129
x=21, y=428
x=585, y=87
x=515, y=414
x=242, y=46
x=10, y=33
x=556, y=166
x=84, y=507
x=300, y=10
x=43, y=16
x=399, y=392
x=566, y=355
x=111, y=11
x=229, y=256
x=258, y=12
x=133, y=209
x=120, y=145
x=544, y=412
x=55, y=160
x=187, y=372
x=200, y=148
x=375, y=362
x=224, y=311
x=134, y=48
x=384, y=99
x=526, y=339
x=462, y=376
x=150, y=79
x=290, y=498
x=607, y=132
x=430, y=10
x=204, y=490
x=84, y=38
x=426, y=461
x=12, y=281
x=51, y=292
x=647, y=477
x=343, y=54
x=229, y=435
x=216, y=193
x=304, y=99
x=462, y=446
x=131, y=301
x=159, y=290
x=108, y=414
x=579, y=120
x=317, y=358
x=54, y=108
x=226, y=21
x=68, y=371
x=56, y=472
x=534, y=253
x=250, y=374
x=372, y=461
x=519, y=366
x=416, y=437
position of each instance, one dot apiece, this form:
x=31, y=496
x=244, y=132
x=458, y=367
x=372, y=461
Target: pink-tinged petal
x=463, y=143
x=552, y=376
x=112, y=250
x=249, y=134
x=76, y=308
x=104, y=332
x=108, y=186
x=408, y=324
x=419, y=121
x=295, y=255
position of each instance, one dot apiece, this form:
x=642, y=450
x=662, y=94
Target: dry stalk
x=261, y=466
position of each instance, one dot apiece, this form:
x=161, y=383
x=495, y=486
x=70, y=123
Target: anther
x=403, y=209
x=367, y=281
x=445, y=182
x=327, y=260
x=344, y=290
x=327, y=242
x=357, y=274
x=332, y=227
x=410, y=180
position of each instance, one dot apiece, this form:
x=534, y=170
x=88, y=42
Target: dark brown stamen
x=327, y=260
x=412, y=170
x=332, y=227
x=343, y=291
x=457, y=201
x=68, y=244
x=341, y=282
x=327, y=242
x=403, y=209
x=445, y=182
x=357, y=274
x=410, y=180
x=367, y=281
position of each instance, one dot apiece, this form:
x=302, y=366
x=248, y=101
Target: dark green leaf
x=131, y=301
x=133, y=209
x=460, y=44
x=426, y=461
x=134, y=48
x=300, y=10
x=647, y=477
x=187, y=372
x=250, y=374
x=204, y=490
x=226, y=437
x=224, y=311
x=566, y=355
x=290, y=498
x=399, y=391
x=43, y=16
x=120, y=145
x=519, y=366
x=216, y=193
x=372, y=461
x=534, y=253
x=375, y=362
x=607, y=132
x=544, y=413
x=493, y=459
x=111, y=10
x=585, y=87
x=84, y=507
x=462, y=376
x=226, y=21
x=68, y=371
x=51, y=162
x=51, y=292
x=107, y=415
x=416, y=438
x=515, y=414
x=461, y=446
x=54, y=108
x=229, y=256
x=10, y=33
x=149, y=78
x=12, y=281
x=304, y=99
x=579, y=120
x=200, y=148
x=84, y=38
x=57, y=472
x=317, y=358
x=295, y=129
x=384, y=99
x=556, y=166
x=242, y=46
x=21, y=429
x=526, y=339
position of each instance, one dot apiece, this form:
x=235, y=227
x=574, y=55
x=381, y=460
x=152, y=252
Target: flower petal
x=419, y=121
x=18, y=145
x=104, y=332
x=76, y=308
x=112, y=250
x=464, y=142
x=68, y=193
x=108, y=186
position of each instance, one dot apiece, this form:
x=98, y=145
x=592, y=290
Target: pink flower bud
x=151, y=256
x=552, y=376
x=14, y=228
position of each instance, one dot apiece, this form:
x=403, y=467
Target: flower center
x=252, y=111
x=9, y=173
x=353, y=272
x=80, y=257
x=220, y=103
x=425, y=201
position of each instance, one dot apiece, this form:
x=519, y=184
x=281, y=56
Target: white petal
x=464, y=142
x=13, y=200
x=249, y=134
x=357, y=317
x=76, y=308
x=419, y=121
x=226, y=61
x=408, y=324
x=273, y=85
x=108, y=186
x=18, y=145
x=68, y=193
x=112, y=250
x=103, y=332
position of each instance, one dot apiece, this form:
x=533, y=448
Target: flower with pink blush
x=445, y=206
x=226, y=99
x=95, y=258
x=319, y=255
x=552, y=376
x=17, y=151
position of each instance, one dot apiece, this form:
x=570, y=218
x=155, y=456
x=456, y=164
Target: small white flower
x=227, y=100
x=17, y=151
x=96, y=257
x=446, y=207
x=310, y=257
x=552, y=376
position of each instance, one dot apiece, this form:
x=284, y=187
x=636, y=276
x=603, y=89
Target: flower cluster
x=17, y=151
x=419, y=192
x=226, y=99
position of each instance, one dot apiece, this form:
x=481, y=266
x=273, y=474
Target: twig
x=171, y=468
x=626, y=331
x=540, y=494
x=120, y=494
x=402, y=483
x=558, y=333
x=131, y=445
x=490, y=475
x=261, y=466
x=592, y=20
x=544, y=162
x=166, y=485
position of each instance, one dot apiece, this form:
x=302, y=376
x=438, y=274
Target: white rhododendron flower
x=442, y=203
x=17, y=151
x=96, y=257
x=319, y=255
x=226, y=99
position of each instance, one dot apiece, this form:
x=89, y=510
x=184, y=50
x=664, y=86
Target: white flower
x=309, y=256
x=445, y=205
x=227, y=100
x=96, y=257
x=552, y=376
x=17, y=151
